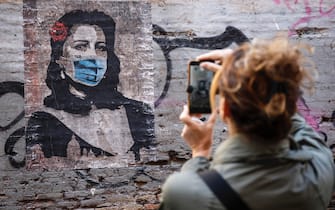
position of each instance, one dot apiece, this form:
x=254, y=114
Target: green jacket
x=296, y=174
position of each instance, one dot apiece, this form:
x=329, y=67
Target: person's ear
x=221, y=108
x=224, y=109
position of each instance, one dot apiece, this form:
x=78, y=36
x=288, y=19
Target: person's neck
x=232, y=130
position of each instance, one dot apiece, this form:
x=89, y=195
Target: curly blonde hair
x=261, y=82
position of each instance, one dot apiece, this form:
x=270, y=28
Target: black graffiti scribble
x=12, y=87
x=163, y=39
x=9, y=148
x=329, y=119
x=18, y=88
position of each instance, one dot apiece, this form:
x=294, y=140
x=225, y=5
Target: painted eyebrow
x=80, y=41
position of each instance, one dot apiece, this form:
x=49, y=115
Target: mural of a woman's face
x=85, y=55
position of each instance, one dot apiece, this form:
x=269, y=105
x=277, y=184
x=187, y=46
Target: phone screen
x=199, y=86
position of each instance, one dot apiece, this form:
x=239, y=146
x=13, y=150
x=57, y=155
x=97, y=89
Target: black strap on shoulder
x=223, y=191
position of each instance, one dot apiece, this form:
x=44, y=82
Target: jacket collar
x=239, y=148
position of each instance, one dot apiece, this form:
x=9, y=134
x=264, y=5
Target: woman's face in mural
x=85, y=55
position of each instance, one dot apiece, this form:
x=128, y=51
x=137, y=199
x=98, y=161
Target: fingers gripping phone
x=199, y=83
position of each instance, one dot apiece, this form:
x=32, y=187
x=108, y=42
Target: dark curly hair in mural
x=48, y=131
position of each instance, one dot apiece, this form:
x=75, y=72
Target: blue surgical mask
x=89, y=71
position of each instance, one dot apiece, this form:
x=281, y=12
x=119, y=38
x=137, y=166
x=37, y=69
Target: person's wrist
x=201, y=153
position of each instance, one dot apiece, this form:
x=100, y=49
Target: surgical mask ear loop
x=65, y=65
x=61, y=62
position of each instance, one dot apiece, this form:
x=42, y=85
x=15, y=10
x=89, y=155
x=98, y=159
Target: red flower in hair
x=58, y=32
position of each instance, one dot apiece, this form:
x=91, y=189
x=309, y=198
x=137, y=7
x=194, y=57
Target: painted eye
x=101, y=47
x=81, y=46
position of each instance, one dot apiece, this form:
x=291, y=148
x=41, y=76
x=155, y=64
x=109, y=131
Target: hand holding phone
x=199, y=82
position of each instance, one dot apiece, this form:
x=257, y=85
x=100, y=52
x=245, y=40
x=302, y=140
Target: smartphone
x=199, y=83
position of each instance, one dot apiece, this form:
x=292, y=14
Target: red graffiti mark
x=306, y=113
x=287, y=3
x=321, y=13
x=332, y=9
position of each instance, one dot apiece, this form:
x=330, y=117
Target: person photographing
x=272, y=159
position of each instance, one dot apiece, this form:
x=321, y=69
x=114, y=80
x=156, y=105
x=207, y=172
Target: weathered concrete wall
x=181, y=30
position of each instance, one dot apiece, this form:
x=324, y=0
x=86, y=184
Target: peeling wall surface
x=109, y=139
